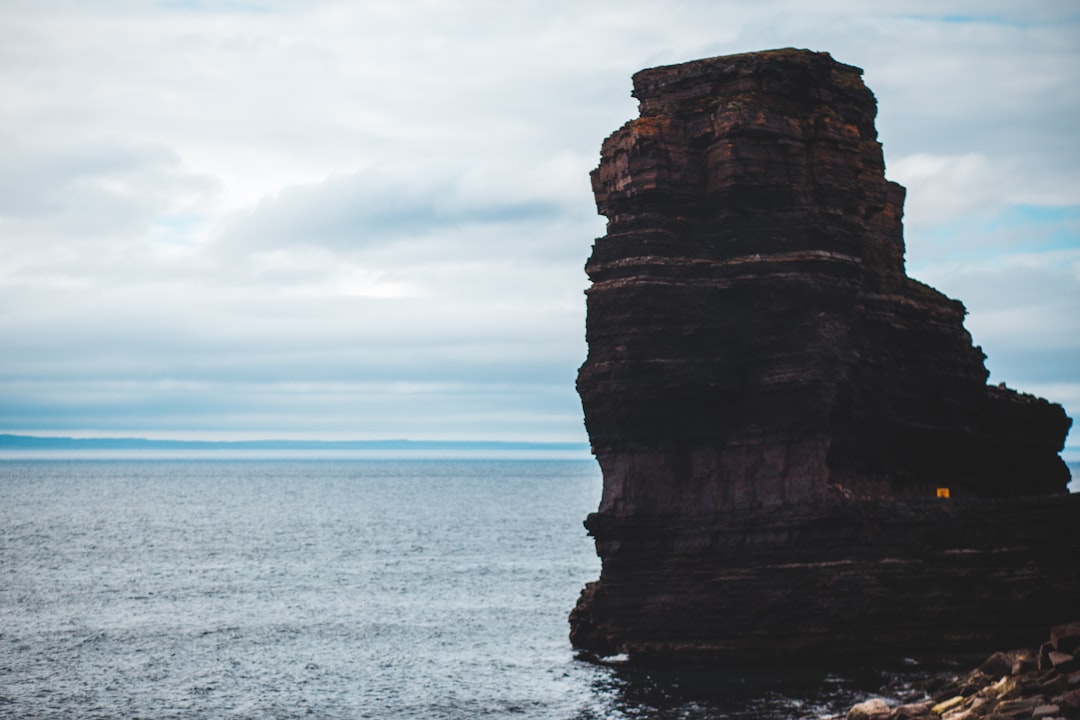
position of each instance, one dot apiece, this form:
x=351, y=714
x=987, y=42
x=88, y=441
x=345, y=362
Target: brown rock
x=1020, y=707
x=1066, y=638
x=946, y=705
x=997, y=665
x=958, y=714
x=911, y=711
x=1024, y=661
x=1006, y=687
x=874, y=709
x=1062, y=662
x=970, y=683
x=1044, y=656
x=774, y=404
x=1054, y=684
x=980, y=705
x=1045, y=711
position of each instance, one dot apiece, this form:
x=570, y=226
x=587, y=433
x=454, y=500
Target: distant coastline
x=31, y=447
x=34, y=442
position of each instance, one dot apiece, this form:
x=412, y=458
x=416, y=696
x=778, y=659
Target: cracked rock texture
x=775, y=405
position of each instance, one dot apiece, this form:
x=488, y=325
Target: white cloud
x=249, y=209
x=943, y=188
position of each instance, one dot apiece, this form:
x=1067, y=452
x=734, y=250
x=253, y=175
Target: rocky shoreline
x=1035, y=684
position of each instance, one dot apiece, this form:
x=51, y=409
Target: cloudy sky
x=368, y=219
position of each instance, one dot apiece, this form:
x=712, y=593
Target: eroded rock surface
x=774, y=404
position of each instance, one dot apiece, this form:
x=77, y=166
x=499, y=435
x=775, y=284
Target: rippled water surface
x=327, y=589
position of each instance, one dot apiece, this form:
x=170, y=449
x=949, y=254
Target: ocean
x=329, y=587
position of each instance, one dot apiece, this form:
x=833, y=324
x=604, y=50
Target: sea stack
x=801, y=456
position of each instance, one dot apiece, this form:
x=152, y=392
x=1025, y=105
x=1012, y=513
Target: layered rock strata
x=775, y=405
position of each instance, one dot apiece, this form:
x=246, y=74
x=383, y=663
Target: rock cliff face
x=767, y=391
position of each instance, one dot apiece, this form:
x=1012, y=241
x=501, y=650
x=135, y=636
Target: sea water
x=326, y=588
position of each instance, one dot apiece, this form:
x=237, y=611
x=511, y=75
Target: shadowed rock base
x=775, y=406
x=834, y=582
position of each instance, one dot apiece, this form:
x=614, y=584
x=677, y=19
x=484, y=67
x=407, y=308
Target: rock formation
x=775, y=406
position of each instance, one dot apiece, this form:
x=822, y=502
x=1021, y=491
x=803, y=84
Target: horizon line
x=17, y=441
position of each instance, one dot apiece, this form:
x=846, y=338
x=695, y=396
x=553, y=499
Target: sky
x=226, y=219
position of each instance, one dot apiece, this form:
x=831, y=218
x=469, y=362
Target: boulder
x=1066, y=638
x=1062, y=662
x=873, y=709
x=997, y=665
